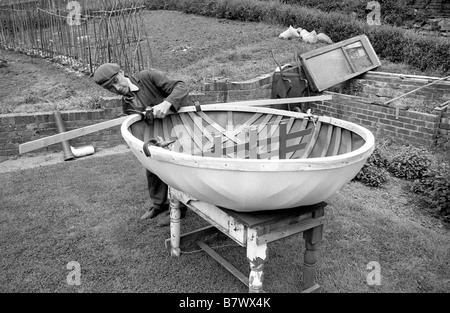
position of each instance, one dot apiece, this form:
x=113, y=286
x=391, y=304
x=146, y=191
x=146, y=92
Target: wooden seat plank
x=298, y=140
x=312, y=141
x=327, y=141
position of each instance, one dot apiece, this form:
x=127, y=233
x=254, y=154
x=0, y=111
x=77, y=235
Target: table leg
x=175, y=227
x=257, y=255
x=312, y=237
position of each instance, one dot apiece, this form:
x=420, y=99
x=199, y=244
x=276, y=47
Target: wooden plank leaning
x=50, y=140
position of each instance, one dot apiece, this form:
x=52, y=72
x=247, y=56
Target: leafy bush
x=357, y=6
x=411, y=163
x=388, y=42
x=377, y=159
x=373, y=172
x=393, y=12
x=372, y=176
x=443, y=143
x=435, y=190
x=419, y=49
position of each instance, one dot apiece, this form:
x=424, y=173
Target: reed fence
x=82, y=34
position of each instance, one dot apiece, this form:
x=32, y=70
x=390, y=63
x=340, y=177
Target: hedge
x=393, y=12
x=392, y=43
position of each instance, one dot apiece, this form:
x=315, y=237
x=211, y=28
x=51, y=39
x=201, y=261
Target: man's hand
x=161, y=110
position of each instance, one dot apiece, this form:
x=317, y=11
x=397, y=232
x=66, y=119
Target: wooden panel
x=217, y=127
x=200, y=131
x=322, y=141
x=346, y=142
x=229, y=128
x=337, y=141
x=336, y=63
x=240, y=128
x=198, y=122
x=312, y=141
x=290, y=230
x=216, y=150
x=298, y=140
x=157, y=128
x=253, y=143
x=185, y=140
x=267, y=218
x=221, y=220
x=284, y=137
x=327, y=141
x=267, y=137
x=166, y=129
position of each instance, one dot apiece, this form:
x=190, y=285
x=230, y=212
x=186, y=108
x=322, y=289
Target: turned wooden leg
x=257, y=255
x=312, y=237
x=175, y=227
x=309, y=266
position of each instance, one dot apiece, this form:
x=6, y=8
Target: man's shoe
x=152, y=213
x=165, y=220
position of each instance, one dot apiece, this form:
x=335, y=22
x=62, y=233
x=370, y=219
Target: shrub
x=411, y=163
x=393, y=12
x=426, y=52
x=387, y=41
x=372, y=176
x=443, y=143
x=377, y=159
x=373, y=172
x=435, y=190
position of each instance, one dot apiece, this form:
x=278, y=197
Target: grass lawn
x=88, y=211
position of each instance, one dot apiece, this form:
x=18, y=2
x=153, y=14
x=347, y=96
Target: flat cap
x=105, y=73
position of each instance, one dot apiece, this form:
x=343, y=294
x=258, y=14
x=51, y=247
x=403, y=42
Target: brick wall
x=408, y=127
x=445, y=125
x=221, y=91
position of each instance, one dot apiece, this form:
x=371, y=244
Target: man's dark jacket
x=154, y=88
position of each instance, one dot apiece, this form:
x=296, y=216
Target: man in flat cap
x=148, y=88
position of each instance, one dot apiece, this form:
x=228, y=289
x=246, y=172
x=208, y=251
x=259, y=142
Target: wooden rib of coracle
x=254, y=136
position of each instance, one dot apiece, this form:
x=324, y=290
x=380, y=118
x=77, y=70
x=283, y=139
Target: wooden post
x=312, y=237
x=175, y=227
x=257, y=255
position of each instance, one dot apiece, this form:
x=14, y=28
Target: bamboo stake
x=15, y=27
x=4, y=28
x=89, y=48
x=62, y=27
x=97, y=43
x=20, y=24
x=41, y=35
x=138, y=50
x=51, y=31
x=27, y=25
x=121, y=41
